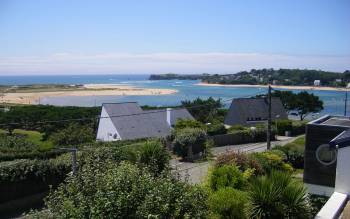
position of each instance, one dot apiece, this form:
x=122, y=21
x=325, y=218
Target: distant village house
x=122, y=121
x=317, y=82
x=251, y=111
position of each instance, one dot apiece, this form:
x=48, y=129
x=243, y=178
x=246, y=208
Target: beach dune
x=87, y=90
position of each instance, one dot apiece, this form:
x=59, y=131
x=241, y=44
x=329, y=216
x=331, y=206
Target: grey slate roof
x=244, y=111
x=342, y=140
x=140, y=123
x=175, y=114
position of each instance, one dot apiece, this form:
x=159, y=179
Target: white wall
x=342, y=180
x=106, y=129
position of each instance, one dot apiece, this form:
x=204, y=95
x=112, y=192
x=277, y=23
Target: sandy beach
x=276, y=86
x=88, y=90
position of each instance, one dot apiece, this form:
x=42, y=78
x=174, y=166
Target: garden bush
x=272, y=160
x=73, y=135
x=242, y=160
x=228, y=203
x=188, y=123
x=277, y=196
x=216, y=128
x=227, y=176
x=155, y=156
x=189, y=139
x=110, y=190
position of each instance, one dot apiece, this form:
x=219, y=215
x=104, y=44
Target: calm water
x=333, y=100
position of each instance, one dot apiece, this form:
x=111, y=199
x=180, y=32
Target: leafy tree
x=155, y=156
x=203, y=110
x=304, y=103
x=73, y=135
x=307, y=103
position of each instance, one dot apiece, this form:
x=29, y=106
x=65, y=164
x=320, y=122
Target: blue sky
x=184, y=36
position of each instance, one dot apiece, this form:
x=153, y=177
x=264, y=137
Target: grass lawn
x=34, y=137
x=297, y=143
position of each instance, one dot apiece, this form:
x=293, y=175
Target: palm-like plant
x=278, y=196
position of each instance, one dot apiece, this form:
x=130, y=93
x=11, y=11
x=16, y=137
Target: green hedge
x=21, y=178
x=18, y=147
x=295, y=127
x=242, y=137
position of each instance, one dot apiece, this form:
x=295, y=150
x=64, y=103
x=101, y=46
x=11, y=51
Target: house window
x=325, y=155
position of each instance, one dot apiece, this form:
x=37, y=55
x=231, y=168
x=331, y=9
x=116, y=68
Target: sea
x=187, y=90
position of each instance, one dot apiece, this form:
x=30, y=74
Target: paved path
x=196, y=172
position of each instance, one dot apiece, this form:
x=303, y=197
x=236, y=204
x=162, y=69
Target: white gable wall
x=106, y=130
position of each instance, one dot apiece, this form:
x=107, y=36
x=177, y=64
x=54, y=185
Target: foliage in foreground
x=155, y=156
x=228, y=203
x=125, y=191
x=228, y=176
x=276, y=196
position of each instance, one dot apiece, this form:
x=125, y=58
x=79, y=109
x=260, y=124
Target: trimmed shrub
x=282, y=125
x=189, y=139
x=242, y=136
x=21, y=178
x=17, y=147
x=227, y=176
x=295, y=127
x=216, y=128
x=111, y=190
x=155, y=156
x=242, y=160
x=235, y=128
x=228, y=203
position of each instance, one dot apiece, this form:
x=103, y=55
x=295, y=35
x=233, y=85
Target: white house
x=121, y=121
x=317, y=82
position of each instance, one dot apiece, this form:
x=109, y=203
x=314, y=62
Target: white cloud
x=68, y=63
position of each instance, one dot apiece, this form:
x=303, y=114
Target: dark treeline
x=29, y=117
x=265, y=76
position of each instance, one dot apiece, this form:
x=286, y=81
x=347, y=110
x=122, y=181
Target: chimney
x=168, y=116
